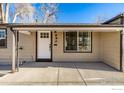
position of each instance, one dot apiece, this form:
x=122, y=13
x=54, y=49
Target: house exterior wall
x=6, y=53
x=105, y=47
x=26, y=54
x=28, y=43
x=59, y=55
x=116, y=21
x=110, y=48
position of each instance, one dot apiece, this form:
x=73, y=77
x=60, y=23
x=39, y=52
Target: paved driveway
x=64, y=74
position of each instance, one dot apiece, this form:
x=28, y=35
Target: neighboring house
x=119, y=19
x=64, y=42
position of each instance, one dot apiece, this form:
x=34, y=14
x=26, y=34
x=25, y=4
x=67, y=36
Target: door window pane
x=44, y=35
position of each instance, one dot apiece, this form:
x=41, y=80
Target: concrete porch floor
x=60, y=73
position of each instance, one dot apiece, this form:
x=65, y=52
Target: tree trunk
x=7, y=13
x=2, y=11
x=46, y=17
x=15, y=16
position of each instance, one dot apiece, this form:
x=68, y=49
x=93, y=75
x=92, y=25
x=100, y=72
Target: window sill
x=76, y=52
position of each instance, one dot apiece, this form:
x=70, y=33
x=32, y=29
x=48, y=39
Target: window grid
x=44, y=35
x=2, y=34
x=88, y=45
x=3, y=38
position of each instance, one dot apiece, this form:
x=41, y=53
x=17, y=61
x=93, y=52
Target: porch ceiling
x=67, y=27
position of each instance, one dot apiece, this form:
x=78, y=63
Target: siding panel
x=110, y=49
x=28, y=44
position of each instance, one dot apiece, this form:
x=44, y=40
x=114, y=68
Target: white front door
x=44, y=45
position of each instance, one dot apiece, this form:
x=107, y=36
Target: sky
x=86, y=12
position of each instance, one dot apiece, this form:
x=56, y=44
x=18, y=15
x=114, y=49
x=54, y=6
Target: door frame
x=36, y=57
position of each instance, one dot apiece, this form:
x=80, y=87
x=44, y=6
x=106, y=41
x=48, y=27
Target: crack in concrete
x=80, y=75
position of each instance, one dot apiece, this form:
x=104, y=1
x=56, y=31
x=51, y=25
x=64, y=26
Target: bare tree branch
x=15, y=17
x=49, y=12
x=25, y=13
x=100, y=19
x=23, y=10
x=20, y=11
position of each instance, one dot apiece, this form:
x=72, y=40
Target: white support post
x=13, y=52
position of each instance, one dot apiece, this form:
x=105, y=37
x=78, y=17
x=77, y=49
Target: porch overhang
x=67, y=27
x=62, y=27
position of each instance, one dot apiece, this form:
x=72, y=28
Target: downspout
x=122, y=44
x=121, y=50
x=17, y=50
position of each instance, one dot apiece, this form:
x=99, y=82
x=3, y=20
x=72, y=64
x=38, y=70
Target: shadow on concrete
x=73, y=65
x=1, y=75
x=5, y=67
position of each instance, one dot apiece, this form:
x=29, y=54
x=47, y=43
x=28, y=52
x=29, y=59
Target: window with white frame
x=77, y=41
x=3, y=38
